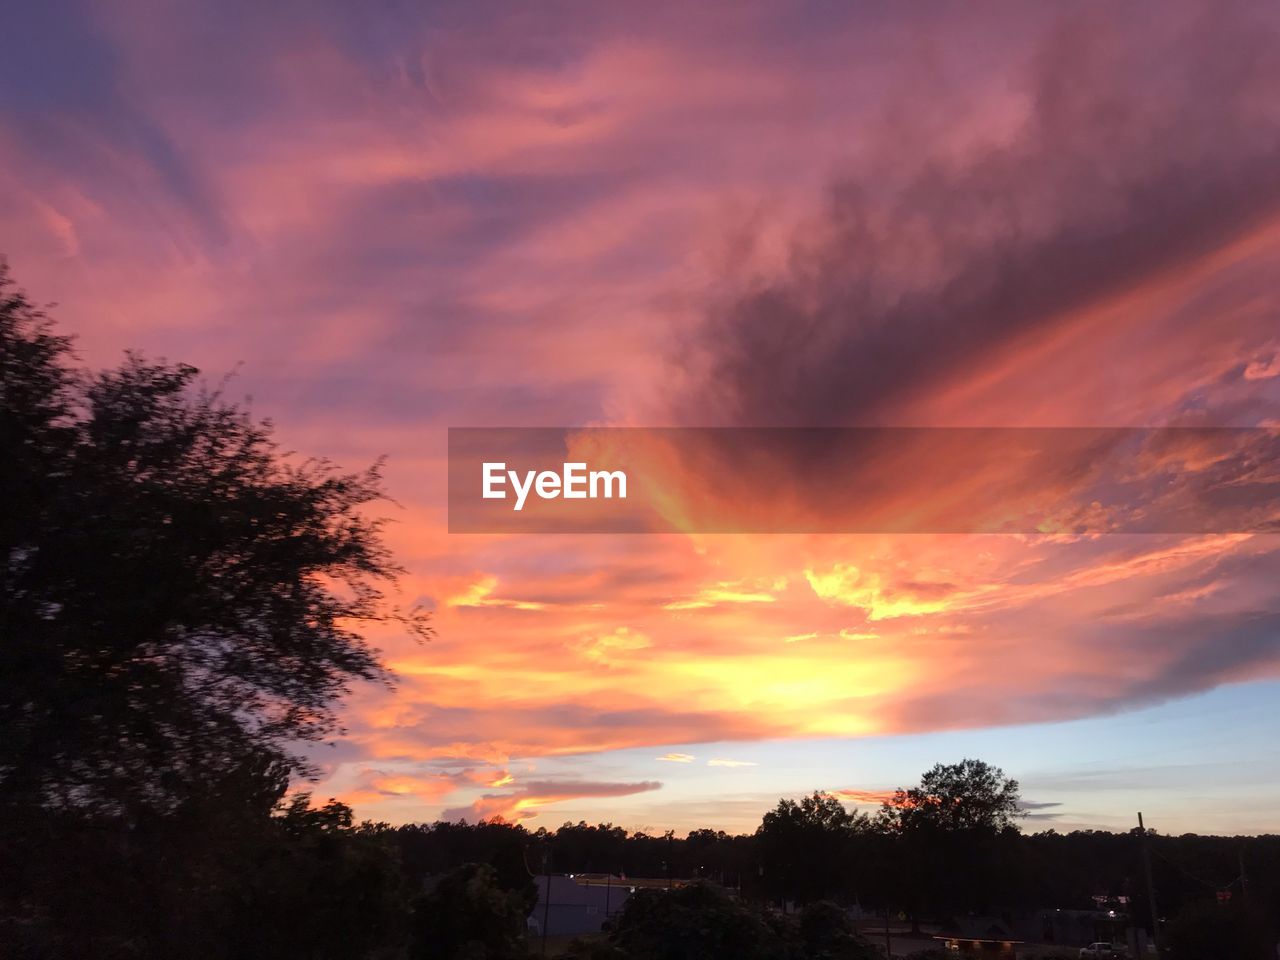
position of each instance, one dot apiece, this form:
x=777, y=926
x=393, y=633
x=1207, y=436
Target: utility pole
x=1244, y=878
x=888, y=943
x=1151, y=887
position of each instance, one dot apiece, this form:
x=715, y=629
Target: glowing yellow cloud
x=608, y=646
x=480, y=594
x=847, y=585
x=728, y=593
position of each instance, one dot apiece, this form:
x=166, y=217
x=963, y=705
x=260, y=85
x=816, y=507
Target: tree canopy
x=468, y=915
x=182, y=603
x=969, y=795
x=808, y=847
x=176, y=593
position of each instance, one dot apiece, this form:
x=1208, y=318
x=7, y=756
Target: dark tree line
x=813, y=849
x=813, y=853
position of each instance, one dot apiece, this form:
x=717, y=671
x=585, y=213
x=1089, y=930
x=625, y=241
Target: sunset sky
x=387, y=219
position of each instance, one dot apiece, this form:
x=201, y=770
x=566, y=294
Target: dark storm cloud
x=1139, y=155
x=1184, y=657
x=1210, y=651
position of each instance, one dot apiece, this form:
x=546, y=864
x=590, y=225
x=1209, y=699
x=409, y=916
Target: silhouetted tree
x=946, y=834
x=589, y=849
x=806, y=848
x=468, y=916
x=969, y=795
x=1208, y=931
x=180, y=605
x=428, y=850
x=695, y=922
x=319, y=886
x=827, y=933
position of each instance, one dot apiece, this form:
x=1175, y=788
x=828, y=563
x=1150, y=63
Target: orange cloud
x=528, y=801
x=607, y=647
x=372, y=786
x=847, y=585
x=444, y=236
x=873, y=797
x=728, y=593
x=480, y=594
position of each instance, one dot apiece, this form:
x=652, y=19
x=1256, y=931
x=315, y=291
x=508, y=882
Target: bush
x=583, y=948
x=697, y=922
x=826, y=933
x=468, y=916
x=1206, y=931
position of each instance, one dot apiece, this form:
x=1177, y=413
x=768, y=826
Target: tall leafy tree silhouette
x=175, y=592
x=807, y=848
x=951, y=832
x=969, y=795
x=181, y=605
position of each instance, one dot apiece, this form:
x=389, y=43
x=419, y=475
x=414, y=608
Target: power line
x=1208, y=883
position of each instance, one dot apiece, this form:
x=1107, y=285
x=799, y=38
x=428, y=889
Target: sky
x=385, y=219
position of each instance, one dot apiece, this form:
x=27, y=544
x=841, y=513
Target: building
x=1079, y=928
x=578, y=904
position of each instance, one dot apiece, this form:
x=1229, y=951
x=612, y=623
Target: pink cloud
x=526, y=802
x=585, y=220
